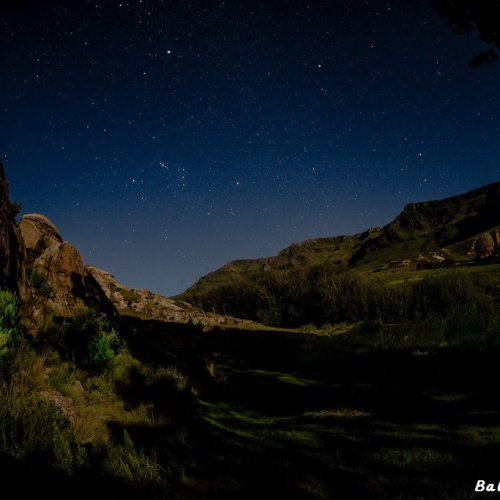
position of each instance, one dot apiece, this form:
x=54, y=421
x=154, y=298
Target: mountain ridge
x=463, y=227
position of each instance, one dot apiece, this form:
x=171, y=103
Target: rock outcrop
x=50, y=277
x=57, y=276
x=152, y=306
x=39, y=233
x=61, y=266
x=486, y=246
x=12, y=250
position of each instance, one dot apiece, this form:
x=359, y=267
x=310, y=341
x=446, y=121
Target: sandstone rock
x=484, y=246
x=103, y=278
x=12, y=250
x=61, y=259
x=64, y=405
x=39, y=233
x=144, y=303
x=151, y=306
x=62, y=267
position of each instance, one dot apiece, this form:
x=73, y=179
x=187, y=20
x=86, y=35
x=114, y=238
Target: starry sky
x=165, y=138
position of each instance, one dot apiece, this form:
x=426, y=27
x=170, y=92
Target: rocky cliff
x=12, y=250
x=49, y=275
x=57, y=279
x=45, y=272
x=433, y=226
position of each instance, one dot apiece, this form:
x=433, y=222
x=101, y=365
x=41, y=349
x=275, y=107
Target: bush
x=15, y=207
x=102, y=348
x=437, y=295
x=88, y=338
x=26, y=423
x=41, y=285
x=135, y=466
x=10, y=332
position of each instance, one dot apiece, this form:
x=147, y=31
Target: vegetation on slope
x=449, y=232
x=330, y=294
x=70, y=404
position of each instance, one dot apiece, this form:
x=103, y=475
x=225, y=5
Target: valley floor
x=302, y=416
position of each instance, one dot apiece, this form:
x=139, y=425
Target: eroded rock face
x=148, y=305
x=39, y=233
x=12, y=250
x=61, y=266
x=56, y=274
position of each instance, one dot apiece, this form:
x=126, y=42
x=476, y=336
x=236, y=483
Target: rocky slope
x=49, y=276
x=147, y=305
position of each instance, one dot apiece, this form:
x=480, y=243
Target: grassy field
x=345, y=413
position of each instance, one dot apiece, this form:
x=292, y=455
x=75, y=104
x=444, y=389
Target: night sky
x=165, y=138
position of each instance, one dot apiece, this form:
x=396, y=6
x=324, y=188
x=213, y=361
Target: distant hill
x=463, y=229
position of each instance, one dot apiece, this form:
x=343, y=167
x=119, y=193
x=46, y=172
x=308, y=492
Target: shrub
x=15, y=207
x=41, y=285
x=88, y=338
x=102, y=348
x=68, y=456
x=437, y=295
x=26, y=423
x=10, y=332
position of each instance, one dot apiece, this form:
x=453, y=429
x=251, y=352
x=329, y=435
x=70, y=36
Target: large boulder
x=39, y=233
x=487, y=245
x=484, y=246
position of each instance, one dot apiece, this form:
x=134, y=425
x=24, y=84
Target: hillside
x=463, y=229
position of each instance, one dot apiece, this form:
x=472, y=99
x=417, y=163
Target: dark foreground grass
x=386, y=423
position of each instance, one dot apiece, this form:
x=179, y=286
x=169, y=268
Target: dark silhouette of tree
x=466, y=16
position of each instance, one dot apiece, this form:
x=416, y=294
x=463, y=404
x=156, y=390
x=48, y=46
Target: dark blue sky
x=165, y=138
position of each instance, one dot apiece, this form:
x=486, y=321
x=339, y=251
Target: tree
x=466, y=16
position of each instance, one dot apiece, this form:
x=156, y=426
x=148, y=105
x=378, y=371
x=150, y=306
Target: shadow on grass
x=270, y=419
x=382, y=424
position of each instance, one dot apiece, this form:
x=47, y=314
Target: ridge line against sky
x=166, y=138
